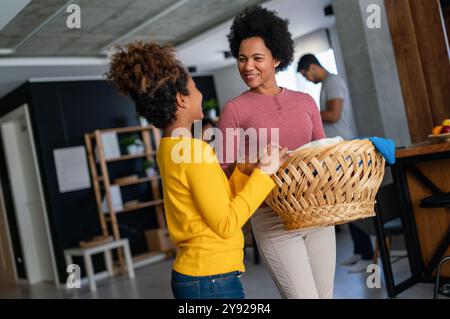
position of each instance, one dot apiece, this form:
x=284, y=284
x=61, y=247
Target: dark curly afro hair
x=266, y=24
x=152, y=76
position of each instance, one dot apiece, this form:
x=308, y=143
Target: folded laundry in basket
x=309, y=193
x=321, y=142
x=385, y=146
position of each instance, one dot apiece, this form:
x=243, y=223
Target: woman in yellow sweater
x=204, y=210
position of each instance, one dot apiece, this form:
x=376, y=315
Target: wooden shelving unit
x=127, y=157
x=102, y=183
x=140, y=180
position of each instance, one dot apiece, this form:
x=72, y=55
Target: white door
x=31, y=219
x=7, y=272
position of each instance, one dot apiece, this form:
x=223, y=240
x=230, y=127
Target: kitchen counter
x=423, y=148
x=421, y=170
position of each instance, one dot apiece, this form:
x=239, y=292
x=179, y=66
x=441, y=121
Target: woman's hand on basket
x=247, y=164
x=273, y=158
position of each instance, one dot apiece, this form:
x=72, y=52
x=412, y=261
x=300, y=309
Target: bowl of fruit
x=441, y=132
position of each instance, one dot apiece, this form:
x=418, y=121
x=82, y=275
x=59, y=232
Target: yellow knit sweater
x=204, y=211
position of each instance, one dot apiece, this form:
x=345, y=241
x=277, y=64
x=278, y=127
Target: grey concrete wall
x=371, y=71
x=387, y=82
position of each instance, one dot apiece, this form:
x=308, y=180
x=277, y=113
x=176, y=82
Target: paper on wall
x=71, y=169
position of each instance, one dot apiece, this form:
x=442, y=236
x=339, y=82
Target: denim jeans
x=223, y=286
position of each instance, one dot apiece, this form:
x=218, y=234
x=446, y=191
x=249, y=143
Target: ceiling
x=106, y=22
x=10, y=10
x=206, y=51
x=37, y=43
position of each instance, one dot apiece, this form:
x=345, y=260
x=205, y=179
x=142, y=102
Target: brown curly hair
x=266, y=24
x=151, y=75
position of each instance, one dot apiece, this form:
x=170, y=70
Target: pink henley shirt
x=294, y=114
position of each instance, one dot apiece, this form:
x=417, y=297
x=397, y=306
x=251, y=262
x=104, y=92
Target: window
x=292, y=80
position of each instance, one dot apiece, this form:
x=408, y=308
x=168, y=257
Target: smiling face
x=189, y=107
x=256, y=64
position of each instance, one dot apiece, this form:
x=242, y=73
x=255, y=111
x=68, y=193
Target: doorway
x=27, y=196
x=7, y=269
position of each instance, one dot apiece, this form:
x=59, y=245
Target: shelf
x=100, y=174
x=138, y=206
x=130, y=129
x=127, y=157
x=144, y=259
x=137, y=181
x=141, y=205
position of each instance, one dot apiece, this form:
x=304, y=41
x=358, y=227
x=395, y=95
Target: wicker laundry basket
x=328, y=185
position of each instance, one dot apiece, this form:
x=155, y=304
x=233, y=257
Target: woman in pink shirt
x=301, y=262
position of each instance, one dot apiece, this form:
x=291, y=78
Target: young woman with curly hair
x=204, y=210
x=301, y=262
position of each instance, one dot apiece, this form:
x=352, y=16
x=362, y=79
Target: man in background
x=335, y=108
x=338, y=120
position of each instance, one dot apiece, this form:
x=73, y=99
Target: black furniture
x=388, y=208
x=444, y=289
x=391, y=228
x=250, y=241
x=437, y=201
x=387, y=224
x=409, y=161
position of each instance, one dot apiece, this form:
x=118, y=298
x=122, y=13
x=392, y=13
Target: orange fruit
x=437, y=129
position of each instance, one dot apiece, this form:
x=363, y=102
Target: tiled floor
x=153, y=281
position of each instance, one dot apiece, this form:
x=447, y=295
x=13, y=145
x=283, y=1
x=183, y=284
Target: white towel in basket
x=321, y=142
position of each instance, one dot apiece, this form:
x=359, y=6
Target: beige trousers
x=302, y=262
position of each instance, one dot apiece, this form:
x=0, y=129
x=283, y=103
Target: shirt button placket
x=277, y=103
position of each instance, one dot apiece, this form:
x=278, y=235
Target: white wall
x=336, y=46
x=229, y=84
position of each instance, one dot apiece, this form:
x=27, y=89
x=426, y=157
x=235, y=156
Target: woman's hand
x=247, y=165
x=244, y=164
x=273, y=158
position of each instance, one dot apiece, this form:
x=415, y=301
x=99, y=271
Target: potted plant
x=142, y=120
x=150, y=168
x=210, y=108
x=132, y=144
